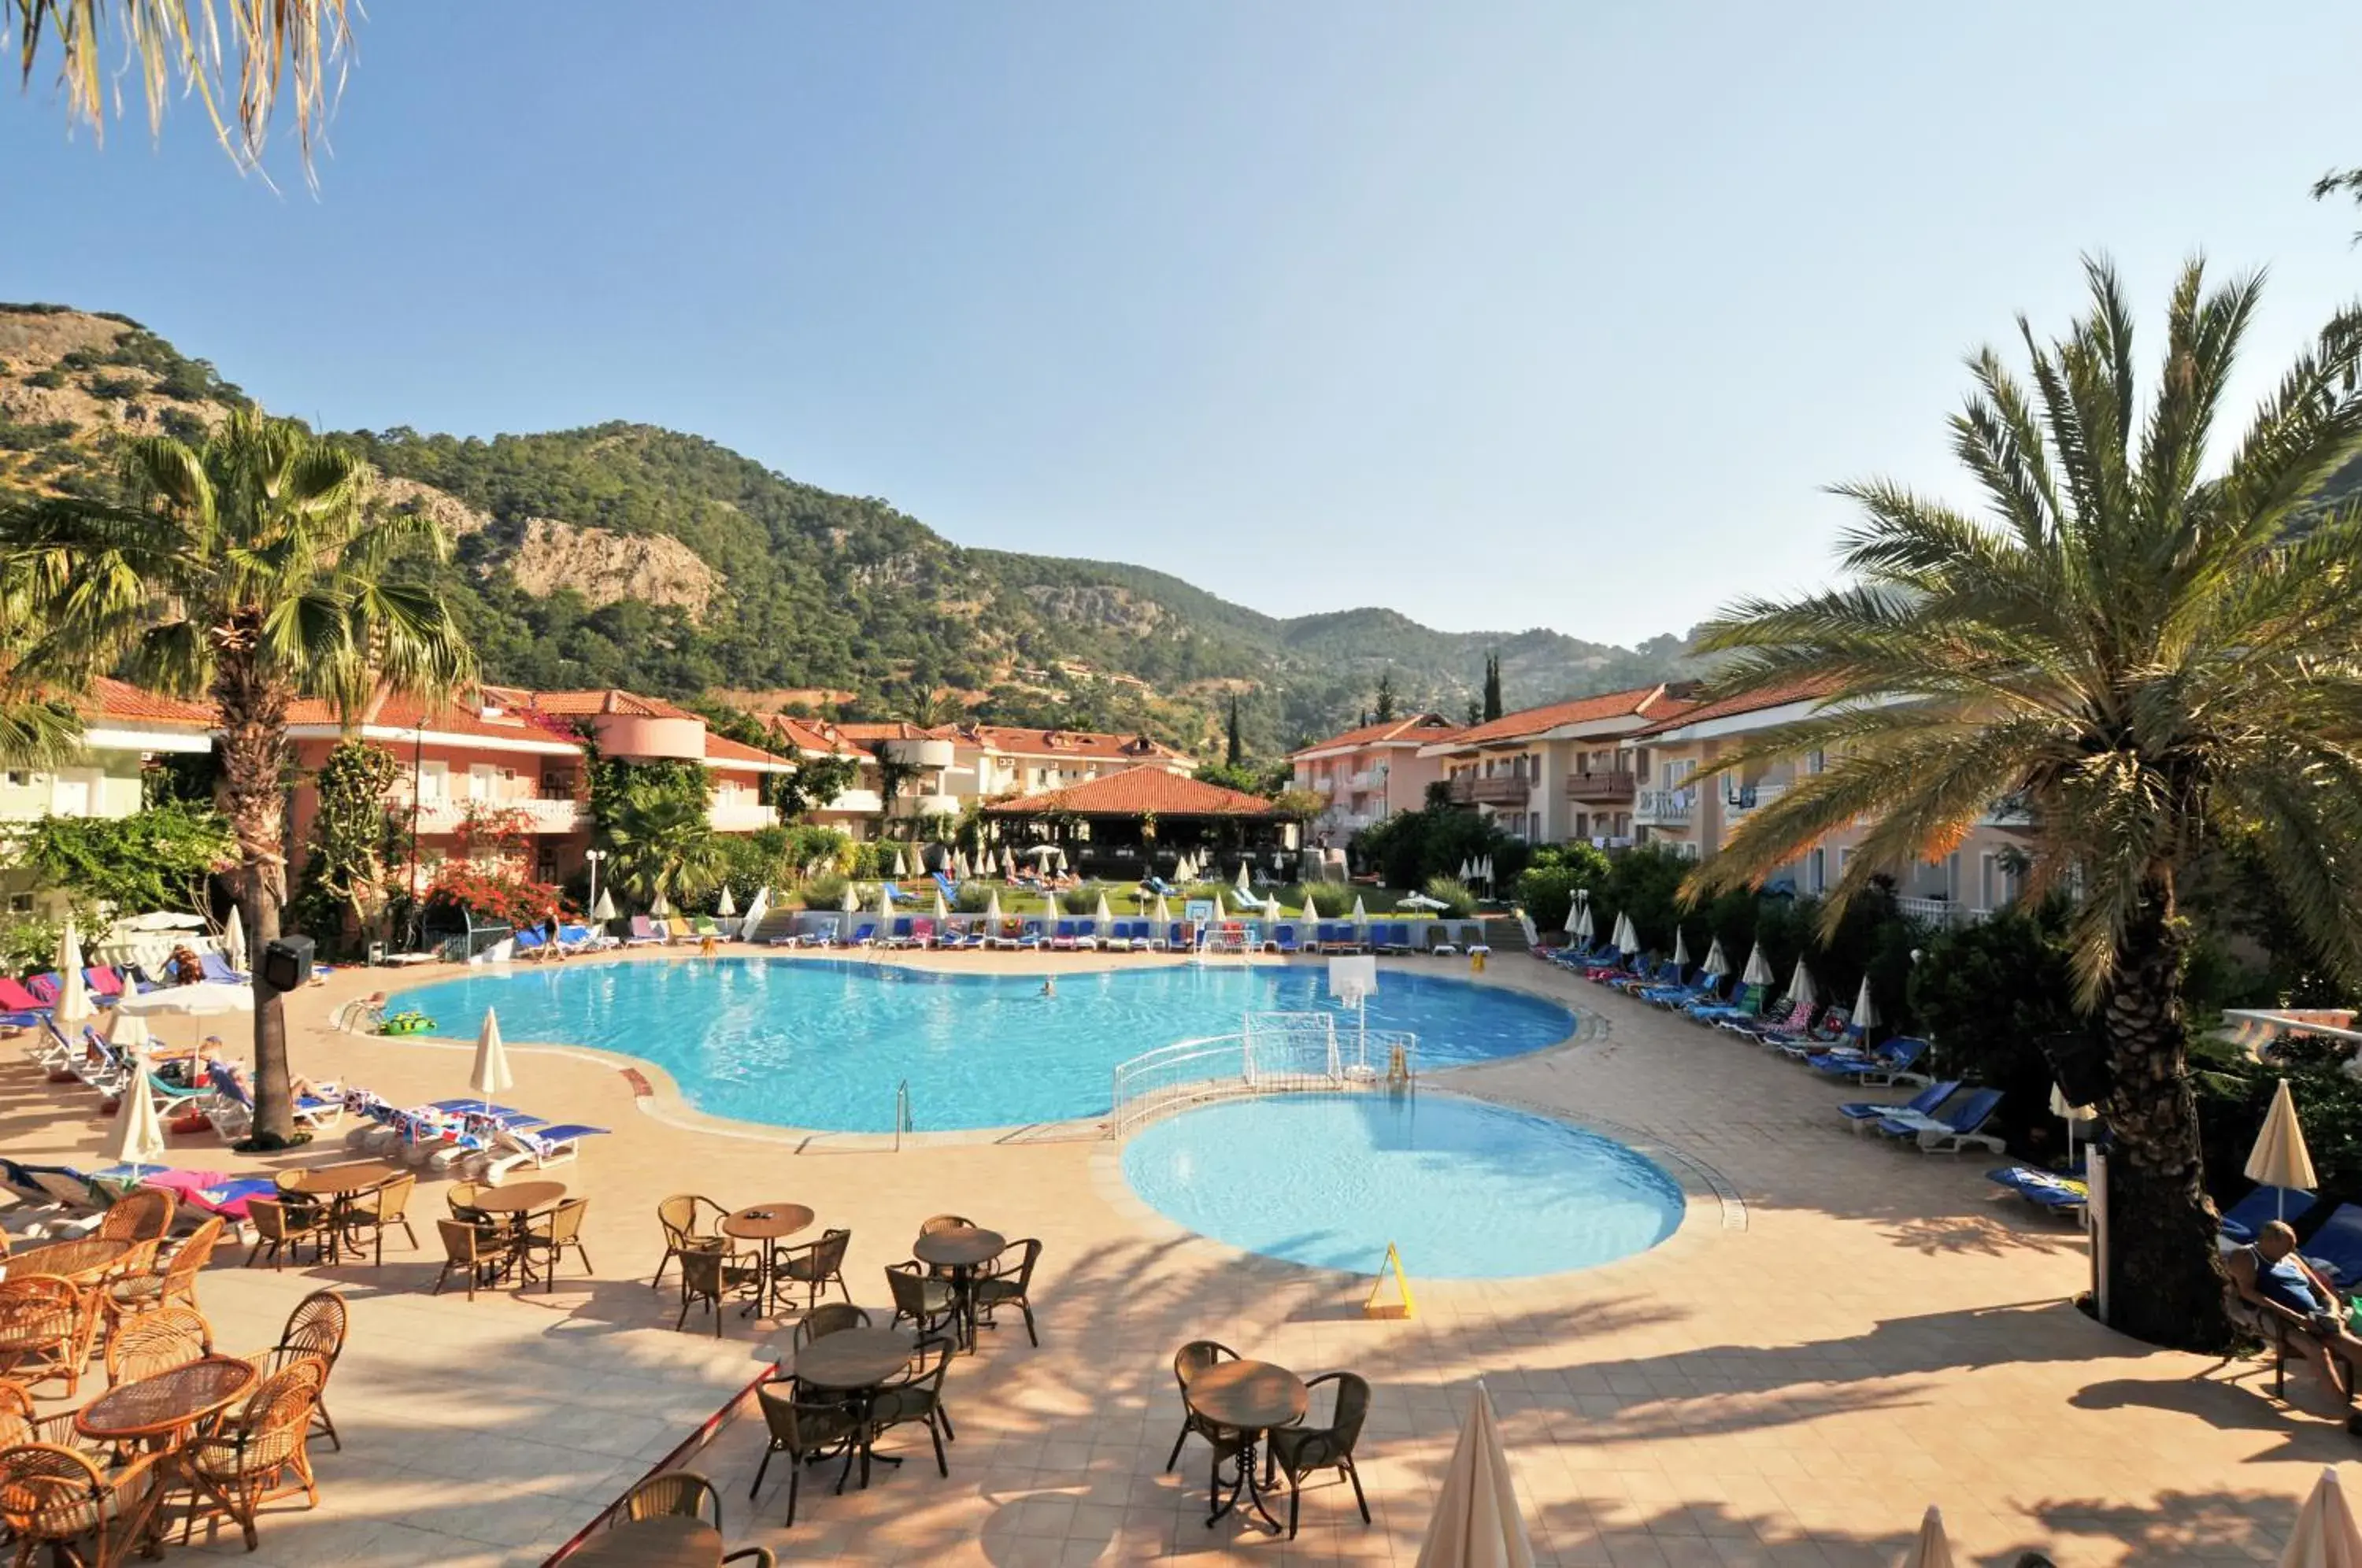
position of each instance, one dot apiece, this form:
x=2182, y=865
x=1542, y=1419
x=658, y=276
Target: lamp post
x=592, y=857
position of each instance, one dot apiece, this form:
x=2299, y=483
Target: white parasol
x=662, y=908
x=2325, y=1535
x=1583, y=929
x=1627, y=939
x=1163, y=911
x=1758, y=968
x=885, y=910
x=138, y=1137
x=942, y=910
x=1361, y=911
x=1681, y=948
x=491, y=1073
x=1716, y=966
x=2280, y=1158
x=992, y=912
x=727, y=908
x=1244, y=885
x=1467, y=871
x=1800, y=991
x=1271, y=907
x=72, y=1005
x=604, y=910
x=1101, y=914
x=1932, y=1549
x=1865, y=1009
x=233, y=939
x=205, y=997
x=162, y=920
x=757, y=908
x=1476, y=1522
x=127, y=1032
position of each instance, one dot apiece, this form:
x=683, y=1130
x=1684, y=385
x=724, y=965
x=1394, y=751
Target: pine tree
x=1386, y=697
x=1234, y=751
x=1492, y=687
x=1476, y=713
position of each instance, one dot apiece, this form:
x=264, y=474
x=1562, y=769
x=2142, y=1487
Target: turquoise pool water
x=801, y=1043
x=1465, y=1190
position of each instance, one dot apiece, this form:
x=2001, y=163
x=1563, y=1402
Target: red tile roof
x=1136, y=792
x=722, y=749
x=1416, y=726
x=1639, y=703
x=112, y=698
x=389, y=710
x=805, y=735
x=1749, y=703
x=606, y=699
x=890, y=729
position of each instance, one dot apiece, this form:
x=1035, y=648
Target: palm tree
x=241, y=570
x=2152, y=660
x=662, y=842
x=294, y=48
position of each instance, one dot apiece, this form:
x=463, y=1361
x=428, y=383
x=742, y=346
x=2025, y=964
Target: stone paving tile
x=1791, y=1378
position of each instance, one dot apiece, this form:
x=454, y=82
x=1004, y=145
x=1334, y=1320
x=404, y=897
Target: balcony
x=1501, y=790
x=929, y=805
x=1608, y=789
x=1324, y=784
x=1367, y=779
x=1939, y=911
x=1664, y=808
x=1739, y=800
x=2011, y=813
x=741, y=816
x=534, y=813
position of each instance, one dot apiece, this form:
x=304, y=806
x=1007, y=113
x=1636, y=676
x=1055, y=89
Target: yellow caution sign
x=1402, y=1306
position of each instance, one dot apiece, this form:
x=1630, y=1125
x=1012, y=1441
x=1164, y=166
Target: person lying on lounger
x=2269, y=1273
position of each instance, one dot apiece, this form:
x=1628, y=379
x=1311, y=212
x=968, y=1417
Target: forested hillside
x=634, y=556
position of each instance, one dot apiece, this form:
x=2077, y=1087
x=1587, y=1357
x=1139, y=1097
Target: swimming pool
x=821, y=1043
x=1466, y=1190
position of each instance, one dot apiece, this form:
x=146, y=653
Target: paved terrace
x=1791, y=1378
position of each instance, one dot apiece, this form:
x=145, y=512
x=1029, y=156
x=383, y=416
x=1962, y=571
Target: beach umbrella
x=1101, y=914
x=604, y=910
x=1476, y=1522
x=233, y=939
x=1931, y=1549
x=1758, y=968
x=1865, y=1008
x=162, y=920
x=205, y=997
x=2326, y=1535
x=129, y=1032
x=757, y=908
x=1485, y=868
x=1361, y=911
x=1163, y=911
x=959, y=865
x=1681, y=948
x=1716, y=966
x=992, y=910
x=1244, y=887
x=1419, y=901
x=138, y=1137
x=848, y=907
x=662, y=908
x=1801, y=992
x=885, y=907
x=2280, y=1158
x=72, y=1005
x=1628, y=939
x=727, y=909
x=1583, y=926
x=1007, y=864
x=941, y=912
x=1467, y=872
x=1271, y=907
x=491, y=1073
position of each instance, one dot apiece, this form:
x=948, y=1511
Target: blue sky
x=1500, y=314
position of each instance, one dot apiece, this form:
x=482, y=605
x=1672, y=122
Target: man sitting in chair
x=2269, y=1276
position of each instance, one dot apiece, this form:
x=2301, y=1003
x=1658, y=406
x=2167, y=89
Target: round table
x=855, y=1362
x=765, y=1224
x=154, y=1410
x=1253, y=1396
x=339, y=1185
x=963, y=1249
x=519, y=1198
x=81, y=1261
x=651, y=1543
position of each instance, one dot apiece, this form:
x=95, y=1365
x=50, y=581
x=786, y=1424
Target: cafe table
x=963, y=1249
x=513, y=1206
x=853, y=1361
x=156, y=1411
x=765, y=1225
x=1251, y=1396
x=83, y=1260
x=338, y=1185
x=664, y=1542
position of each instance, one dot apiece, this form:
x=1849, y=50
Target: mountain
x=632, y=555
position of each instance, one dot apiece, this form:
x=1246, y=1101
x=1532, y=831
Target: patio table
x=338, y=1185
x=651, y=1543
x=1251, y=1396
x=765, y=1225
x=81, y=1261
x=155, y=1411
x=855, y=1362
x=512, y=1207
x=963, y=1249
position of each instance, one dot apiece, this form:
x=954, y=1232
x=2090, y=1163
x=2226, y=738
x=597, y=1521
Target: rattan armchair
x=249, y=1459
x=315, y=1332
x=156, y=1341
x=815, y=1265
x=832, y=1319
x=917, y=1395
x=1010, y=1287
x=56, y=1498
x=143, y=1214
x=372, y=1214
x=1187, y=1363
x=19, y=1425
x=171, y=1283
x=1296, y=1451
x=671, y=1494
x=709, y=1276
x=471, y=1249
x=935, y=1222
x=551, y=1236
x=45, y=1330
x=279, y=1228
x=921, y=1298
x=804, y=1433
x=690, y=1224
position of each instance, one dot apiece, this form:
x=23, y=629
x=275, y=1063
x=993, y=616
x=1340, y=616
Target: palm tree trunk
x=252, y=711
x=2164, y=1275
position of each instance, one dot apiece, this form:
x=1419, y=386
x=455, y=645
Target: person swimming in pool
x=1049, y=985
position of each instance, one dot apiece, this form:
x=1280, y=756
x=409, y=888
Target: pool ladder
x=902, y=1122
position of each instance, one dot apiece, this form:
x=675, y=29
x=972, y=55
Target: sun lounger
x=233, y=1106
x=900, y=934
x=2044, y=1190
x=1119, y=937
x=2337, y=1248
x=216, y=967
x=537, y=1147
x=1061, y=936
x=1890, y=1062
x=1029, y=935
x=1819, y=1039
x=676, y=929
x=529, y=945
x=1283, y=938
x=2260, y=1207
x=1773, y=1029
x=643, y=933
x=1863, y=1114
x=864, y=935
x=104, y=984
x=1954, y=1128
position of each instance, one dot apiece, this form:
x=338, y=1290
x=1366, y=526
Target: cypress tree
x=1235, y=751
x=1492, y=687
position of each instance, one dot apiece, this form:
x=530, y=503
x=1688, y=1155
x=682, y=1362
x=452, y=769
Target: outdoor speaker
x=287, y=963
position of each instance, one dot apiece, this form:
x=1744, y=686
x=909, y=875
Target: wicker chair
x=470, y=1250
x=19, y=1425
x=922, y=1299
x=1187, y=1363
x=680, y=1217
x=53, y=1497
x=315, y=1332
x=280, y=1227
x=1006, y=1287
x=804, y=1433
x=553, y=1235
x=373, y=1213
x=710, y=1276
x=143, y=1214
x=832, y=1319
x=246, y=1460
x=45, y=1330
x=174, y=1282
x=935, y=1222
x=816, y=1265
x=462, y=1197
x=156, y=1341
x=1297, y=1451
x=684, y=1495
x=917, y=1395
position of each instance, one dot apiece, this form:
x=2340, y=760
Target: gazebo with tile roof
x=1140, y=821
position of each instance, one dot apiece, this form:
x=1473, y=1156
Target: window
x=20, y=903
x=1816, y=871
x=17, y=778
x=1815, y=761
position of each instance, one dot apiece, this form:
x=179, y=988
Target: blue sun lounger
x=2044, y=1190
x=1889, y=1062
x=1861, y=1113
x=2260, y=1208
x=1959, y=1125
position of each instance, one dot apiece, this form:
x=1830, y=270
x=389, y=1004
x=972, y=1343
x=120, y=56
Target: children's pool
x=1466, y=1190
x=823, y=1043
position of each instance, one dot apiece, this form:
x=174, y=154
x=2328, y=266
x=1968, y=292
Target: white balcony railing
x=1738, y=800
x=1940, y=911
x=1368, y=778
x=741, y=816
x=534, y=813
x=1323, y=784
x=929, y=805
x=1664, y=808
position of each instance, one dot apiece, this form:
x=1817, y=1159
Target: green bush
x=972, y=896
x=1329, y=901
x=1546, y=887
x=1084, y=898
x=1410, y=846
x=1453, y=894
x=1989, y=998
x=825, y=891
x=28, y=946
x=1209, y=891
x=807, y=846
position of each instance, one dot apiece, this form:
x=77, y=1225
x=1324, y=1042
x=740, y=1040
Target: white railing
x=536, y=814
x=1663, y=808
x=1324, y=784
x=1738, y=800
x=1940, y=911
x=741, y=816
x=1369, y=778
x=1288, y=1052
